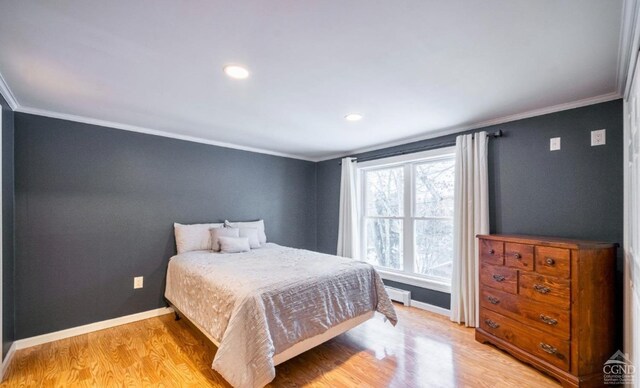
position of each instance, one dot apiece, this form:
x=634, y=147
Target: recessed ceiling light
x=236, y=71
x=353, y=117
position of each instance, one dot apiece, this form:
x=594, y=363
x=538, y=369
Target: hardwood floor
x=424, y=350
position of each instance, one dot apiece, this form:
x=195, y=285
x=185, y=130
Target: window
x=407, y=217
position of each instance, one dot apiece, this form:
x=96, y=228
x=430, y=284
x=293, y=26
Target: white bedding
x=259, y=303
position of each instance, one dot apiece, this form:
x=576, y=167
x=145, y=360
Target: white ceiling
x=412, y=68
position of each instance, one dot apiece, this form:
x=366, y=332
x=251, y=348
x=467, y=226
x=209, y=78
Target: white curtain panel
x=348, y=223
x=471, y=217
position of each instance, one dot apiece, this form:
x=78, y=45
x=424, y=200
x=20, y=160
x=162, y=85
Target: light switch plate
x=599, y=137
x=138, y=282
x=554, y=144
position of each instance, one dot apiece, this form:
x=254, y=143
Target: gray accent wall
x=7, y=228
x=95, y=207
x=576, y=192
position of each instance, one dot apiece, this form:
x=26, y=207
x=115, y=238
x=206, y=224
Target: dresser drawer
x=546, y=289
x=491, y=252
x=518, y=256
x=501, y=278
x=544, y=317
x=561, y=318
x=549, y=348
x=553, y=261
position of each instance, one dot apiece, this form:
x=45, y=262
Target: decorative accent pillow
x=262, y=237
x=251, y=234
x=216, y=233
x=194, y=237
x=234, y=244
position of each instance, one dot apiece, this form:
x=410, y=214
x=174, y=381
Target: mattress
x=260, y=303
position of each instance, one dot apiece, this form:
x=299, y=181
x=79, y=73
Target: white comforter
x=260, y=303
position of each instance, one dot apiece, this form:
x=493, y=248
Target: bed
x=265, y=306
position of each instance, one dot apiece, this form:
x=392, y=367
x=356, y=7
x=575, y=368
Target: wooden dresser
x=550, y=303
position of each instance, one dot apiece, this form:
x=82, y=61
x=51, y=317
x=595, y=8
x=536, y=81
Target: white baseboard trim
x=74, y=331
x=7, y=360
x=429, y=307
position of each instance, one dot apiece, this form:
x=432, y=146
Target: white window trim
x=413, y=280
x=400, y=159
x=409, y=161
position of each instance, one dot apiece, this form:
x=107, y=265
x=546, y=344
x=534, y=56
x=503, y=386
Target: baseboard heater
x=399, y=295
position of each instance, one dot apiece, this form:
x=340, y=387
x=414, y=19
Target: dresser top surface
x=548, y=241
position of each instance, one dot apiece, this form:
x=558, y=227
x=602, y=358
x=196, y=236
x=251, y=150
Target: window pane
x=434, y=188
x=434, y=247
x=385, y=190
x=384, y=242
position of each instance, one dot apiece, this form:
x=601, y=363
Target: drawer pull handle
x=517, y=256
x=548, y=320
x=541, y=289
x=549, y=261
x=492, y=324
x=493, y=300
x=491, y=251
x=548, y=348
x=498, y=278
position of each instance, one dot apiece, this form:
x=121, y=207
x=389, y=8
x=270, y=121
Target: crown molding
x=7, y=94
x=628, y=46
x=501, y=120
x=629, y=41
x=155, y=132
x=629, y=30
x=426, y=136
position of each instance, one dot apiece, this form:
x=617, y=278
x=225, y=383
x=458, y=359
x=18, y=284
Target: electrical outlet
x=554, y=144
x=138, y=282
x=599, y=137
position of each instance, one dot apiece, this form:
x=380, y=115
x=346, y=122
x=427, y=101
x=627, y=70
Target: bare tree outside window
x=434, y=218
x=385, y=206
x=427, y=209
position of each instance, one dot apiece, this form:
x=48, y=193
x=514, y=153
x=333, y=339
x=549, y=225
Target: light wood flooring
x=424, y=350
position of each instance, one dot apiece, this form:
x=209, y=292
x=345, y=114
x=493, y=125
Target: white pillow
x=234, y=244
x=216, y=233
x=195, y=237
x=251, y=234
x=262, y=237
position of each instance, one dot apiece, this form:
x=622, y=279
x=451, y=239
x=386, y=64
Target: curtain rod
x=449, y=143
